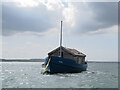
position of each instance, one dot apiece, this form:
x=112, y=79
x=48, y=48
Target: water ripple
x=28, y=75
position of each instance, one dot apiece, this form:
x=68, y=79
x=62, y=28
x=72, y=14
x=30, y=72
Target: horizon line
x=44, y=58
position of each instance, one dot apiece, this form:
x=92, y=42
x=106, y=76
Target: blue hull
x=62, y=65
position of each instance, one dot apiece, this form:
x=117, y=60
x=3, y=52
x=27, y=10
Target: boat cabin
x=69, y=54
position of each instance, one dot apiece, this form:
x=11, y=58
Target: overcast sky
x=31, y=29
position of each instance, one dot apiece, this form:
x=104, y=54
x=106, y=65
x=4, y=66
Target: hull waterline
x=62, y=65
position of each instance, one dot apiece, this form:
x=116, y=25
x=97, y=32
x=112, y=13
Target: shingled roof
x=71, y=51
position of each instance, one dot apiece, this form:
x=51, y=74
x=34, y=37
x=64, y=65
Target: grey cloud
x=106, y=12
x=17, y=19
x=39, y=19
x=104, y=15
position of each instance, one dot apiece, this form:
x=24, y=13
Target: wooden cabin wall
x=65, y=54
x=55, y=53
x=81, y=60
x=78, y=59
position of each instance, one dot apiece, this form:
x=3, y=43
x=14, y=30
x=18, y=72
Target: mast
x=61, y=41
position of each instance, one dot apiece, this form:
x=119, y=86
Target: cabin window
x=77, y=59
x=62, y=54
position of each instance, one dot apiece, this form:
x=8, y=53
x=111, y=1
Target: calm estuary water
x=28, y=75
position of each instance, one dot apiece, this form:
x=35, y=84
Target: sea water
x=29, y=75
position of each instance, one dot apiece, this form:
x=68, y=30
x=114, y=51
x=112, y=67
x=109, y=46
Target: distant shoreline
x=42, y=60
x=22, y=60
x=101, y=62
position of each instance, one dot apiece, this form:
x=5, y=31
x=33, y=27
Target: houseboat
x=65, y=60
